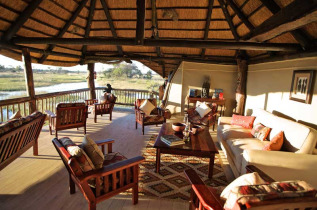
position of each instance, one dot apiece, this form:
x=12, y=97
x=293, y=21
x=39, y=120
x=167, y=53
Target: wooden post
x=91, y=80
x=29, y=78
x=241, y=85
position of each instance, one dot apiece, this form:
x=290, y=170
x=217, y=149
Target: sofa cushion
x=276, y=143
x=225, y=132
x=238, y=145
x=260, y=131
x=93, y=151
x=244, y=121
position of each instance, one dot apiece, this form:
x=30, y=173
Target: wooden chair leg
x=136, y=125
x=111, y=116
x=135, y=194
x=56, y=133
x=50, y=127
x=36, y=148
x=85, y=129
x=143, y=129
x=95, y=119
x=92, y=206
x=72, y=189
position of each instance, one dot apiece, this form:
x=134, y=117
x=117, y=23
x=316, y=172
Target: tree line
x=57, y=70
x=126, y=70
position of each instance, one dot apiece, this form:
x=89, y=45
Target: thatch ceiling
x=159, y=34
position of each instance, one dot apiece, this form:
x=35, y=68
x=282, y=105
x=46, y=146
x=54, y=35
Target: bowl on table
x=178, y=127
x=196, y=128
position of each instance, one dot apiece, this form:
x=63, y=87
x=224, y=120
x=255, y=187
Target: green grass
x=16, y=81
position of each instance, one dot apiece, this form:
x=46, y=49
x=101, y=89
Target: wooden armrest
x=104, y=141
x=263, y=175
x=140, y=111
x=112, y=168
x=208, y=198
x=50, y=114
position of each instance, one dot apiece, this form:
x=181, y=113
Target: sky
x=98, y=66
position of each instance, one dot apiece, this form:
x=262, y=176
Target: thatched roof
x=113, y=30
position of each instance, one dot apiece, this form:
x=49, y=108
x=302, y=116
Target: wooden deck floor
x=41, y=182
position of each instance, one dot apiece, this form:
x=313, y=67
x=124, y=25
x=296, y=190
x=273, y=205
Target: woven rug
x=171, y=182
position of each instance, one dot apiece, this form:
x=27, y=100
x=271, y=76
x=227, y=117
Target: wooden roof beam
x=23, y=17
x=64, y=29
x=293, y=16
x=240, y=15
x=139, y=38
x=88, y=25
x=208, y=19
x=111, y=25
x=229, y=20
x=187, y=43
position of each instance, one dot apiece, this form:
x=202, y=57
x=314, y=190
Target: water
x=47, y=89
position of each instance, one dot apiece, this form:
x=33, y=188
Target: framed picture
x=302, y=86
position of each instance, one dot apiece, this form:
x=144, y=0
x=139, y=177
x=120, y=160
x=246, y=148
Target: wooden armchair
x=205, y=197
x=68, y=115
x=156, y=117
x=208, y=120
x=102, y=108
x=109, y=181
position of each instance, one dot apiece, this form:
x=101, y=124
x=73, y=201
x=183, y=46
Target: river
x=47, y=89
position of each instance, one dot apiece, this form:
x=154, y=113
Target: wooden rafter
x=209, y=13
x=296, y=14
x=64, y=29
x=298, y=34
x=24, y=16
x=139, y=38
x=240, y=14
x=111, y=25
x=229, y=20
x=88, y=25
x=187, y=43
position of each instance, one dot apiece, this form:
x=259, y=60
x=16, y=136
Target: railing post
x=29, y=78
x=91, y=80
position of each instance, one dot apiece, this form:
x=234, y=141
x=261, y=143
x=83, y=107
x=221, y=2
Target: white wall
x=268, y=87
x=191, y=76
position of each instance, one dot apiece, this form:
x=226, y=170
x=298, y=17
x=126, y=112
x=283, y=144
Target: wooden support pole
x=241, y=85
x=29, y=78
x=139, y=38
x=91, y=80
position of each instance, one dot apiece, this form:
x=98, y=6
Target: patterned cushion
x=93, y=151
x=32, y=116
x=276, y=143
x=113, y=157
x=138, y=102
x=244, y=121
x=9, y=125
x=147, y=107
x=260, y=131
x=153, y=118
x=63, y=105
x=195, y=118
x=275, y=190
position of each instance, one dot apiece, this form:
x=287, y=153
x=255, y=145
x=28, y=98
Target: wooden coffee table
x=200, y=145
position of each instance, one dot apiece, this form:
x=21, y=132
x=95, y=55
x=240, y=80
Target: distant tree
x=149, y=74
x=18, y=68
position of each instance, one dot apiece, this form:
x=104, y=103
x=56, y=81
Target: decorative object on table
x=217, y=92
x=170, y=182
x=220, y=96
x=186, y=132
x=196, y=128
x=193, y=92
x=205, y=88
x=178, y=127
x=302, y=86
x=172, y=140
x=108, y=89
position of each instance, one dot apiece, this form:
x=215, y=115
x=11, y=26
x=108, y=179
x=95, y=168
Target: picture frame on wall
x=302, y=86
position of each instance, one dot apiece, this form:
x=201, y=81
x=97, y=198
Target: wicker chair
x=110, y=180
x=68, y=115
x=102, y=108
x=204, y=197
x=155, y=118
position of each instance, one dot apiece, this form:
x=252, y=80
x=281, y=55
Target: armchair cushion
x=113, y=157
x=203, y=109
x=93, y=152
x=153, y=118
x=195, y=118
x=147, y=107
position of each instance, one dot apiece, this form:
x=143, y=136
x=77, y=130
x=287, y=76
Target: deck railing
x=48, y=101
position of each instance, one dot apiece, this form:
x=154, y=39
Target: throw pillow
x=244, y=121
x=93, y=151
x=276, y=143
x=203, y=109
x=16, y=115
x=147, y=107
x=260, y=131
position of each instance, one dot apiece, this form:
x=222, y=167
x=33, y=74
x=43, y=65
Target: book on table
x=172, y=140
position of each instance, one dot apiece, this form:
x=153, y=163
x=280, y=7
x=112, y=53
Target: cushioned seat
x=226, y=132
x=154, y=118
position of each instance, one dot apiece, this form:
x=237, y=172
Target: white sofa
x=296, y=160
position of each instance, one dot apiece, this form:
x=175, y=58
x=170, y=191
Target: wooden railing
x=48, y=101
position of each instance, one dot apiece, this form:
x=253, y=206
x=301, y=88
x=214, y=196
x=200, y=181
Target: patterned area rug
x=171, y=182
